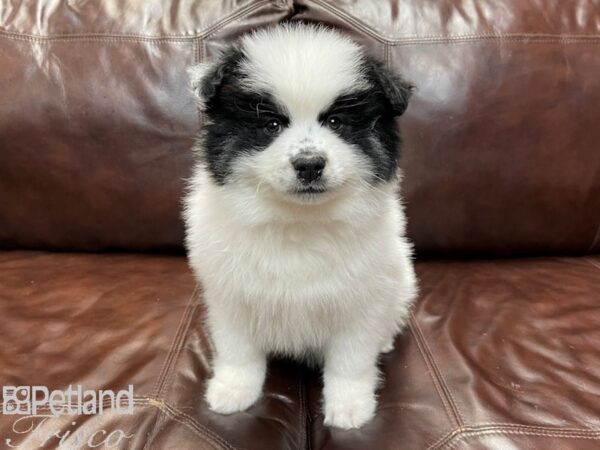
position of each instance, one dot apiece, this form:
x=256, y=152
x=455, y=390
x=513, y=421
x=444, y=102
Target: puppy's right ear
x=396, y=90
x=206, y=79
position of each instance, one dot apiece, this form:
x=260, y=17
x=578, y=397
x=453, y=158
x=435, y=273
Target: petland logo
x=34, y=400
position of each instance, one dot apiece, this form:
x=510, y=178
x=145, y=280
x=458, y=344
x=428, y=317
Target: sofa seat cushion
x=110, y=321
x=498, y=355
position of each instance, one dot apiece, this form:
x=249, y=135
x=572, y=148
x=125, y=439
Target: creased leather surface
x=99, y=321
x=97, y=121
x=512, y=362
x=148, y=19
x=500, y=159
x=500, y=154
x=499, y=355
x=500, y=138
x=403, y=20
x=101, y=318
x=107, y=321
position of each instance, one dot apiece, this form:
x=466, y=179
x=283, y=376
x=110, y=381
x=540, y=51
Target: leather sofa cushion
x=96, y=134
x=501, y=137
x=499, y=354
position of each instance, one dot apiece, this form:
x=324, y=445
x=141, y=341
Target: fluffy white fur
x=329, y=276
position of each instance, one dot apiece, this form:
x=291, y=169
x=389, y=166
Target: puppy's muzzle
x=309, y=168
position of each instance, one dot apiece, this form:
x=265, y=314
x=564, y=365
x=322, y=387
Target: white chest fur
x=291, y=285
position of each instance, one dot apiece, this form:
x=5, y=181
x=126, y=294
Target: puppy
x=294, y=225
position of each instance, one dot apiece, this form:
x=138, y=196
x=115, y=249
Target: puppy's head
x=300, y=113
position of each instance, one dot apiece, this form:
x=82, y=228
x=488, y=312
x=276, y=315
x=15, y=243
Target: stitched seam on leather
x=161, y=376
x=199, y=55
x=430, y=38
x=439, y=373
x=156, y=426
x=198, y=49
x=88, y=40
x=455, y=436
x=351, y=20
x=175, y=344
x=216, y=30
x=499, y=40
x=417, y=41
x=244, y=10
x=595, y=241
x=171, y=375
x=190, y=422
x=510, y=431
x=552, y=36
x=204, y=433
x=229, y=22
x=436, y=382
x=444, y=439
x=234, y=16
x=540, y=428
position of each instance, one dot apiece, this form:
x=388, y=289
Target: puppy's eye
x=273, y=127
x=333, y=122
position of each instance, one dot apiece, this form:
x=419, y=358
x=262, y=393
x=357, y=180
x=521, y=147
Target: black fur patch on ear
x=208, y=79
x=396, y=90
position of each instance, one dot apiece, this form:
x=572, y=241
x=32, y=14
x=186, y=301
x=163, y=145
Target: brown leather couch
x=502, y=187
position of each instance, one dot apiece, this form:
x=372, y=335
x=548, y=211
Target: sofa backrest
x=501, y=148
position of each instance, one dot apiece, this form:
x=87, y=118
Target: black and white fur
x=294, y=225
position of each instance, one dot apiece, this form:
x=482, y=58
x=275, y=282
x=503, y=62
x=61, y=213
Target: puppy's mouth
x=313, y=190
x=310, y=193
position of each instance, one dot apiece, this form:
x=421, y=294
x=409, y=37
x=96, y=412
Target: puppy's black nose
x=308, y=168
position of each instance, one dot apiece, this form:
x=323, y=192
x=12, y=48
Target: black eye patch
x=256, y=106
x=366, y=122
x=249, y=108
x=240, y=124
x=360, y=107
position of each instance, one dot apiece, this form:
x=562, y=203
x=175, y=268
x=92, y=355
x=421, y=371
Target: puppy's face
x=299, y=113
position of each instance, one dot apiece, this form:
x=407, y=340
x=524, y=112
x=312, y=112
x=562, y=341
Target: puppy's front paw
x=226, y=394
x=349, y=410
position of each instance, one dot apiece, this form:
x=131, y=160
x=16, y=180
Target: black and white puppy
x=294, y=225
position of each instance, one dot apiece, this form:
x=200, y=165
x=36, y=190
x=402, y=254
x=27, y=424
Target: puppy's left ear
x=206, y=79
x=396, y=90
